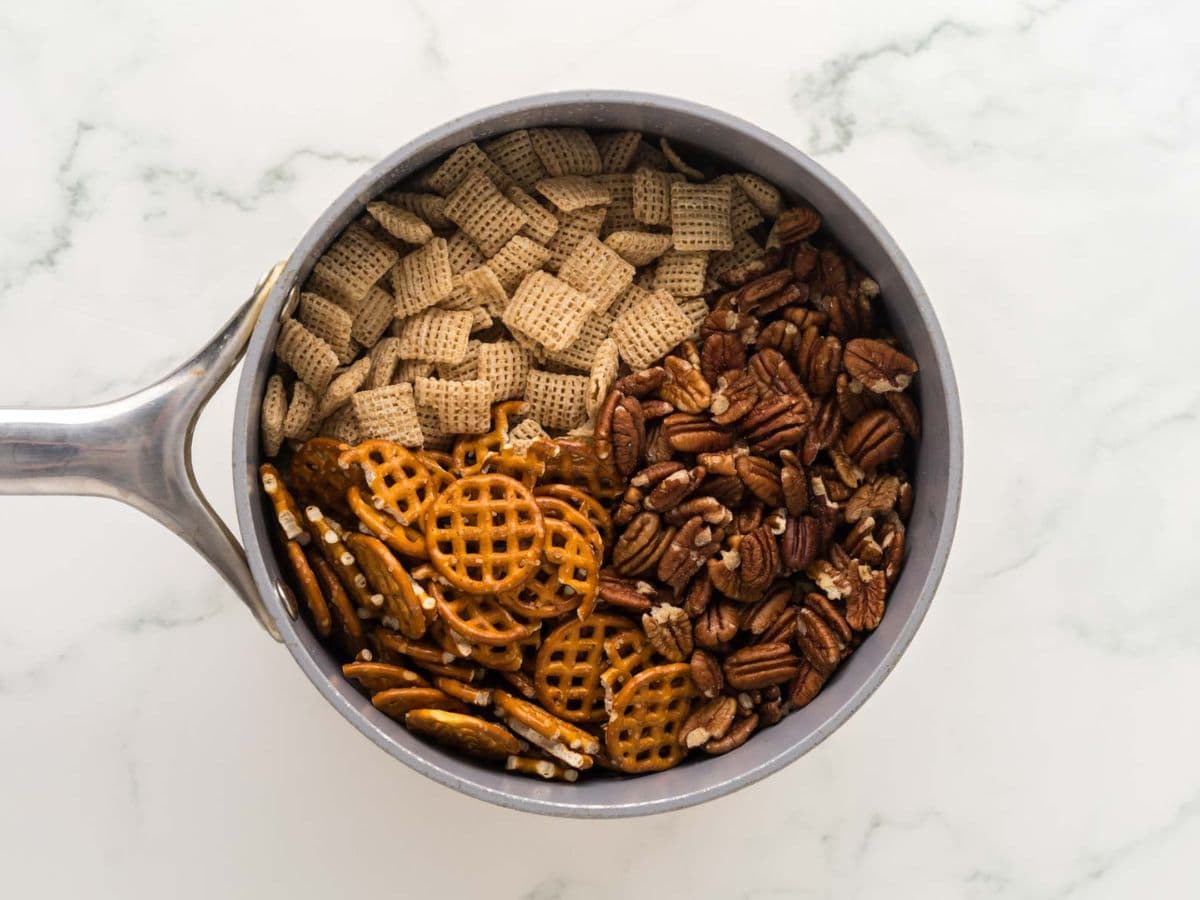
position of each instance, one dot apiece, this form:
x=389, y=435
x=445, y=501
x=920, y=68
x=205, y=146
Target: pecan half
x=796, y=225
x=793, y=484
x=723, y=351
x=806, y=685
x=688, y=433
x=669, y=631
x=804, y=260
x=762, y=615
x=706, y=673
x=773, y=373
x=642, y=384
x=685, y=388
x=847, y=472
x=708, y=722
x=780, y=335
x=654, y=473
x=865, y=603
x=673, y=489
x=628, y=430
x=762, y=477
x=747, y=298
x=825, y=429
x=656, y=409
x=778, y=423
x=689, y=549
x=718, y=625
x=760, y=665
x=821, y=605
x=834, y=581
x=759, y=551
x=697, y=595
x=854, y=400
x=736, y=395
x=873, y=498
x=641, y=545
x=878, y=365
x=874, y=439
x=707, y=508
x=819, y=644
x=818, y=361
x=602, y=434
x=906, y=411
x=625, y=593
x=891, y=542
x=737, y=735
x=800, y=544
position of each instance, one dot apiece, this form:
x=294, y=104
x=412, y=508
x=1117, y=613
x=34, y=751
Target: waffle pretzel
x=398, y=702
x=479, y=618
x=467, y=733
x=585, y=503
x=525, y=466
x=316, y=478
x=398, y=481
x=628, y=654
x=577, y=464
x=567, y=672
x=310, y=589
x=484, y=534
x=376, y=676
x=471, y=451
x=573, y=544
x=643, y=733
x=387, y=576
x=287, y=513
x=502, y=658
x=405, y=539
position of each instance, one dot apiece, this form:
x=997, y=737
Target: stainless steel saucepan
x=138, y=450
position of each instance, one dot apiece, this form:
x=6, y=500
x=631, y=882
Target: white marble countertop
x=1036, y=161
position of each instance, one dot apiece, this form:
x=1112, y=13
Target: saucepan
x=138, y=450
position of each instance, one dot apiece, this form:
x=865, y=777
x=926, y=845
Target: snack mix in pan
x=588, y=455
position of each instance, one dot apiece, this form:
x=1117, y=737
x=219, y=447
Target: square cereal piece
x=461, y=407
x=484, y=285
x=761, y=193
x=700, y=217
x=696, y=310
x=385, y=356
x=632, y=295
x=597, y=271
x=620, y=209
x=681, y=273
x=299, y=424
x=388, y=413
x=411, y=369
x=566, y=151
x=484, y=214
x=572, y=192
x=516, y=259
x=650, y=329
x=328, y=321
x=505, y=364
x=429, y=208
x=431, y=429
x=465, y=369
x=274, y=409
x=606, y=363
x=638, y=248
x=743, y=215
x=542, y=222
x=463, y=253
x=548, y=310
x=652, y=196
x=514, y=154
x=450, y=174
x=400, y=223
x=350, y=267
x=745, y=249
x=579, y=355
x=423, y=278
x=309, y=357
x=436, y=335
x=522, y=435
x=557, y=401
x=373, y=317
x=572, y=228
x=617, y=149
x=343, y=426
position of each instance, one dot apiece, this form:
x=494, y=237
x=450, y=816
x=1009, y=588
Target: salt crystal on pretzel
x=484, y=214
x=462, y=407
x=400, y=223
x=761, y=193
x=459, y=164
x=638, y=248
x=579, y=355
x=606, y=364
x=373, y=317
x=620, y=208
x=650, y=329
x=597, y=271
x=351, y=267
x=572, y=228
x=465, y=369
x=514, y=154
x=429, y=208
x=652, y=196
x=548, y=310
x=422, y=278
x=677, y=162
x=681, y=273
x=437, y=335
x=566, y=151
x=342, y=387
x=463, y=253
x=309, y=357
x=328, y=321
x=617, y=149
x=300, y=423
x=516, y=259
x=389, y=413
x=572, y=192
x=485, y=286
x=700, y=216
x=274, y=408
x=542, y=222
x=505, y=364
x=743, y=214
x=557, y=401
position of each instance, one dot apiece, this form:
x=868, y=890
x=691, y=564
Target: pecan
x=778, y=423
x=625, y=593
x=658, y=448
x=847, y=472
x=793, y=484
x=707, y=508
x=789, y=295
x=854, y=400
x=763, y=614
x=822, y=507
x=656, y=409
x=803, y=317
x=736, y=395
x=628, y=429
x=708, y=722
x=630, y=506
x=806, y=685
x=773, y=373
x=718, y=625
x=904, y=503
x=782, y=630
x=891, y=542
x=669, y=631
x=706, y=674
x=688, y=433
x=725, y=318
x=874, y=439
x=740, y=274
x=671, y=490
x=602, y=435
x=906, y=411
x=873, y=498
x=796, y=225
x=772, y=709
x=723, y=352
x=821, y=605
x=685, y=387
x=860, y=543
x=725, y=489
x=780, y=335
x=689, y=549
x=878, y=365
x=760, y=665
x=830, y=277
x=697, y=595
x=818, y=360
x=738, y=735
x=826, y=428
x=835, y=582
x=818, y=642
x=759, y=552
x=800, y=544
x=849, y=314
x=654, y=473
x=641, y=545
x=865, y=603
x=747, y=298
x=642, y=384
x=723, y=463
x=804, y=261
x=748, y=517
x=762, y=477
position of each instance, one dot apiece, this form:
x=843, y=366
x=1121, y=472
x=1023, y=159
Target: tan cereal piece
x=484, y=214
x=762, y=194
x=745, y=249
x=650, y=329
x=431, y=429
x=300, y=422
x=522, y=435
x=438, y=335
x=606, y=363
x=373, y=317
x=677, y=162
x=458, y=165
x=548, y=310
x=411, y=369
x=400, y=223
x=572, y=228
x=343, y=386
x=638, y=248
x=652, y=196
x=557, y=401
x=485, y=286
x=422, y=279
x=274, y=409
x=481, y=319
x=649, y=156
x=542, y=222
x=620, y=215
x=572, y=192
x=328, y=321
x=351, y=267
x=388, y=413
x=516, y=259
x=460, y=297
x=743, y=214
x=514, y=154
x=429, y=208
x=617, y=149
x=462, y=407
x=566, y=151
x=464, y=255
x=681, y=273
x=596, y=271
x=505, y=364
x=385, y=356
x=700, y=216
x=579, y=355
x=309, y=357
x=342, y=425
x=696, y=310
x=465, y=369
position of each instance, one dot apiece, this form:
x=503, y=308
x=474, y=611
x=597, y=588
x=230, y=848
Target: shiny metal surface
x=138, y=450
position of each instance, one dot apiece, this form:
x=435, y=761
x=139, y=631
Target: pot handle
x=139, y=450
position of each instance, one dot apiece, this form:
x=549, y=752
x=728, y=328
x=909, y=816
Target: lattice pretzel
x=471, y=452
x=406, y=539
x=387, y=576
x=643, y=733
x=595, y=511
x=479, y=618
x=574, y=545
x=578, y=465
x=316, y=477
x=569, y=663
x=398, y=481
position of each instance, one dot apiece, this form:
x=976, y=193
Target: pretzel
x=526, y=466
x=557, y=587
x=479, y=618
x=310, y=589
x=345, y=617
x=471, y=452
x=501, y=658
x=578, y=465
x=376, y=676
x=567, y=672
x=542, y=768
x=427, y=656
x=643, y=733
x=597, y=514
x=628, y=654
x=287, y=513
x=557, y=737
x=342, y=561
x=398, y=702
x=475, y=696
x=406, y=539
x=573, y=545
x=484, y=533
x=469, y=734
x=398, y=482
x=316, y=478
x=402, y=605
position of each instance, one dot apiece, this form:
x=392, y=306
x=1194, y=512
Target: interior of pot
x=936, y=475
